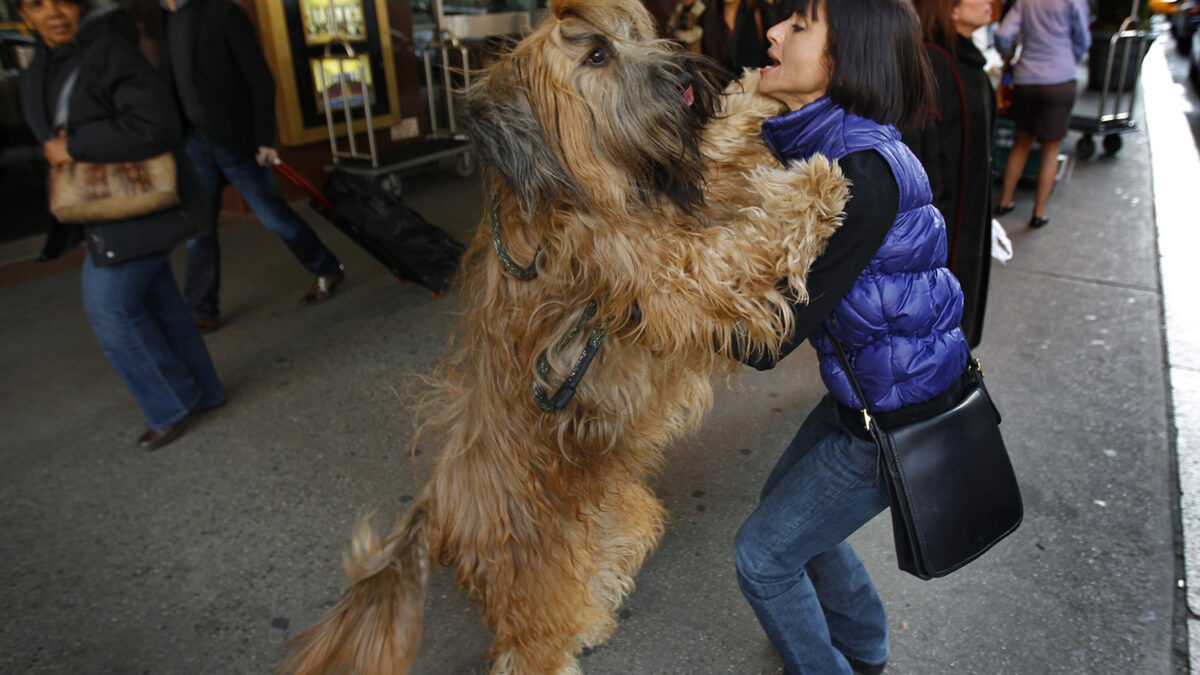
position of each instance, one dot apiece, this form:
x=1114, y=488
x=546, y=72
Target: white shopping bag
x=1001, y=245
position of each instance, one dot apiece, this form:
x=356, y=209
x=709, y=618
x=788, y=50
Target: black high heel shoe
x=1001, y=209
x=1036, y=222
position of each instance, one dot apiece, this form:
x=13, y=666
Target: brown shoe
x=207, y=324
x=154, y=439
x=322, y=288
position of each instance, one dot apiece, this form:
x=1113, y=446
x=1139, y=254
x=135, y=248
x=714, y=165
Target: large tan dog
x=634, y=239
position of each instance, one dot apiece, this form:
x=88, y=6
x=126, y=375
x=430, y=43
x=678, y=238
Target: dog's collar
x=510, y=266
x=567, y=390
x=563, y=395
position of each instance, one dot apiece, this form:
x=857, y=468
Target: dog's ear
x=507, y=135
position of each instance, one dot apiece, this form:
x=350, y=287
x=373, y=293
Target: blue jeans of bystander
x=218, y=167
x=147, y=334
x=806, y=585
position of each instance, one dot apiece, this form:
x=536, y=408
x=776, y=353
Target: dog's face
x=591, y=108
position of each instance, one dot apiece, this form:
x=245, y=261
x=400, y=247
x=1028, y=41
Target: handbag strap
x=841, y=354
x=973, y=365
x=64, y=95
x=873, y=429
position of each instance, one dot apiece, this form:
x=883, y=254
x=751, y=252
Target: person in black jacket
x=225, y=91
x=735, y=35
x=117, y=109
x=956, y=147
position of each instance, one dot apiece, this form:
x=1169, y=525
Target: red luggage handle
x=299, y=181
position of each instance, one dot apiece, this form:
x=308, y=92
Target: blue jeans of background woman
x=217, y=167
x=147, y=333
x=808, y=588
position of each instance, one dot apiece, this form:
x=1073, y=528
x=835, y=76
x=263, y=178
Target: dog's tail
x=375, y=628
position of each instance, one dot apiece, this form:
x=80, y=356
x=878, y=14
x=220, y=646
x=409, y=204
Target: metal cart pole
x=1110, y=123
x=337, y=37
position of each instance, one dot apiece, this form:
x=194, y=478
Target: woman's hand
x=55, y=150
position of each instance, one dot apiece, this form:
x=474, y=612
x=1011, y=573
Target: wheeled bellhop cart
x=438, y=144
x=1110, y=122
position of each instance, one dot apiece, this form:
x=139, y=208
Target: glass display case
x=335, y=51
x=342, y=82
x=328, y=20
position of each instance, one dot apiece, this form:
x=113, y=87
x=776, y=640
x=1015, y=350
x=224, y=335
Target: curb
x=1175, y=168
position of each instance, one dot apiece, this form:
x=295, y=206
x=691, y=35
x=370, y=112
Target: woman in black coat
x=89, y=74
x=956, y=147
x=735, y=34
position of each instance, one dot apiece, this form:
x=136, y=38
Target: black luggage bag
x=408, y=245
x=412, y=248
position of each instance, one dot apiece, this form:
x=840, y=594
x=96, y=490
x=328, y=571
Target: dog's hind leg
x=562, y=602
x=622, y=530
x=538, y=601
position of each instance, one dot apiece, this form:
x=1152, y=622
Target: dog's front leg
x=726, y=280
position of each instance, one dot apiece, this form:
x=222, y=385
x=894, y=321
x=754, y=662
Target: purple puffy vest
x=899, y=323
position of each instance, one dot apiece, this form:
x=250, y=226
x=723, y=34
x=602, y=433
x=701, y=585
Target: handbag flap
x=956, y=484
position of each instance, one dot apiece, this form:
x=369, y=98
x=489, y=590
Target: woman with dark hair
x=851, y=72
x=90, y=96
x=1054, y=36
x=956, y=146
x=734, y=34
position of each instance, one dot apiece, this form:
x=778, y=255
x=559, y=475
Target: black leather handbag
x=951, y=485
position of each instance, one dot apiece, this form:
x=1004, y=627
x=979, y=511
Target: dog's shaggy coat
x=650, y=216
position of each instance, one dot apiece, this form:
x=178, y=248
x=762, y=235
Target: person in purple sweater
x=1054, y=36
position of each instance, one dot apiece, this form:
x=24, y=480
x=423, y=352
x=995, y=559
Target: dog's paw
x=802, y=207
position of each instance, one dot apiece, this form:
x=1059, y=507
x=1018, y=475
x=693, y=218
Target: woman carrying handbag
x=883, y=312
x=106, y=118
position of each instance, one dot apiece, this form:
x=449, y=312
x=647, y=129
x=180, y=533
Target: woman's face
x=971, y=15
x=56, y=21
x=799, y=73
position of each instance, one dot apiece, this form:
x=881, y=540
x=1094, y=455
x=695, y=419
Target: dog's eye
x=598, y=57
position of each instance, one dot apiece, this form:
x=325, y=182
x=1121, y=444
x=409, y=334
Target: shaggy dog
x=639, y=236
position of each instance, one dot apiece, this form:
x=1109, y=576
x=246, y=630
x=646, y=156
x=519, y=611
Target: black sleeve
x=938, y=145
x=874, y=199
x=243, y=44
x=143, y=122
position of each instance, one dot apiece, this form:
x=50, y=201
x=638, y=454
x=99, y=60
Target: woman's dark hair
x=879, y=69
x=937, y=22
x=714, y=45
x=15, y=6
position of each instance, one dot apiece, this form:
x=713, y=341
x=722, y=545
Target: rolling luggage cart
x=1110, y=122
x=386, y=165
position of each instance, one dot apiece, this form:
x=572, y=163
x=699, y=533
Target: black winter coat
x=119, y=110
x=961, y=177
x=230, y=74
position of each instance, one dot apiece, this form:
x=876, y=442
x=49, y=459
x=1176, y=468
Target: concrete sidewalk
x=205, y=556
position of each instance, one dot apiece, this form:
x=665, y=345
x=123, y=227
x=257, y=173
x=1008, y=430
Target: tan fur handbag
x=97, y=192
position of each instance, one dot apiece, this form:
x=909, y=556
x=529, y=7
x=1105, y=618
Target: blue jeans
x=218, y=167
x=147, y=334
x=809, y=590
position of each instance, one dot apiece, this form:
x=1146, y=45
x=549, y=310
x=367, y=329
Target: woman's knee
x=111, y=315
x=754, y=554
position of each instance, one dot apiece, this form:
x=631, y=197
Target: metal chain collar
x=522, y=273
x=566, y=392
